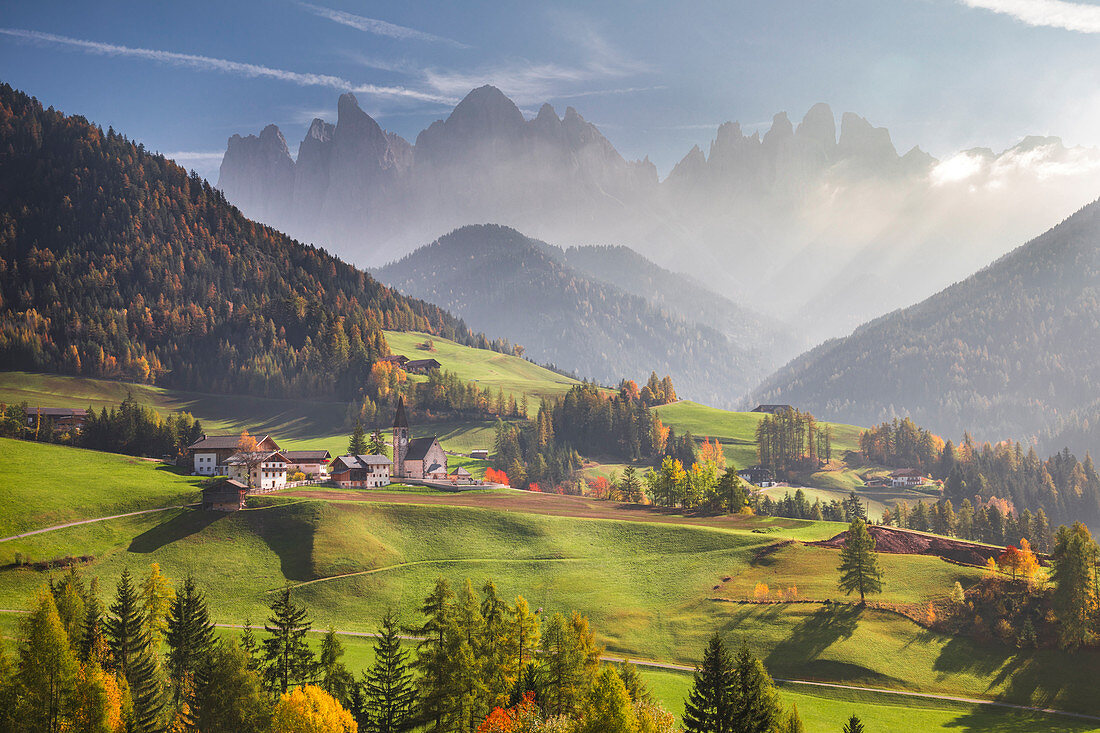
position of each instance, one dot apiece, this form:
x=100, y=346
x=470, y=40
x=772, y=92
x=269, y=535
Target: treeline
x=546, y=451
x=151, y=662
x=115, y=263
x=131, y=428
x=1062, y=487
x=797, y=506
x=993, y=524
x=790, y=440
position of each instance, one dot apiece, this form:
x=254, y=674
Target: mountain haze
x=821, y=223
x=496, y=278
x=1010, y=352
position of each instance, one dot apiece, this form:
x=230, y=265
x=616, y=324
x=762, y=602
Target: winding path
x=90, y=521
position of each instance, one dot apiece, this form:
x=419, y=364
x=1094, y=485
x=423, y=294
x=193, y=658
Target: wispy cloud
x=193, y=156
x=208, y=63
x=378, y=27
x=1046, y=13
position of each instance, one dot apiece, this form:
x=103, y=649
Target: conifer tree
x=68, y=594
x=333, y=677
x=131, y=654
x=47, y=671
x=93, y=644
x=709, y=707
x=494, y=650
x=755, y=700
x=468, y=680
x=376, y=445
x=229, y=697
x=854, y=725
x=636, y=685
x=250, y=646
x=1074, y=599
x=608, y=708
x=190, y=635
x=357, y=446
x=8, y=692
x=156, y=597
x=389, y=690
x=288, y=661
x=569, y=661
x=631, y=485
x=793, y=723
x=433, y=660
x=859, y=568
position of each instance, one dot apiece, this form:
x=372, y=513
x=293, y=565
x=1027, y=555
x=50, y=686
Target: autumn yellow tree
x=310, y=709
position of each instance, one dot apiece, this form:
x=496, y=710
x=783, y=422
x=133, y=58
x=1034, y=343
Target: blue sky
x=656, y=77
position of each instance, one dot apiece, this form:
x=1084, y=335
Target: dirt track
x=530, y=502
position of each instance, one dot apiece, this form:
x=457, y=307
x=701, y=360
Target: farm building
x=757, y=476
x=209, y=453
x=361, y=472
x=395, y=359
x=460, y=475
x=419, y=458
x=313, y=463
x=772, y=409
x=224, y=495
x=422, y=366
x=907, y=477
x=262, y=470
x=62, y=418
x=480, y=453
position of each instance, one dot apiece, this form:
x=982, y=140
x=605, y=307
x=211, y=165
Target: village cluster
x=267, y=466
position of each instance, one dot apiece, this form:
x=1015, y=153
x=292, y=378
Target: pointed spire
x=400, y=420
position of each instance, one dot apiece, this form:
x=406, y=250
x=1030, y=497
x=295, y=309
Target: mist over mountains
x=818, y=224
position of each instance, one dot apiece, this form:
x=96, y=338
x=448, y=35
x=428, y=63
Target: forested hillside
x=1010, y=352
x=115, y=263
x=501, y=281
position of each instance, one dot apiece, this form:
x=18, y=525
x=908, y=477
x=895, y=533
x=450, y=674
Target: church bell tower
x=400, y=438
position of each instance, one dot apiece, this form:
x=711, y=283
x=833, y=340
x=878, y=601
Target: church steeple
x=400, y=438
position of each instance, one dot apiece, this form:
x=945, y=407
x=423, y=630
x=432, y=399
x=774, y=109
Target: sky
x=656, y=77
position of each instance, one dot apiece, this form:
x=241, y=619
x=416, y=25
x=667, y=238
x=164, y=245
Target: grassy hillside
x=737, y=430
x=47, y=485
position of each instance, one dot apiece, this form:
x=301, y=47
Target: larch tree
x=859, y=568
x=1073, y=564
x=47, y=671
x=608, y=708
x=433, y=661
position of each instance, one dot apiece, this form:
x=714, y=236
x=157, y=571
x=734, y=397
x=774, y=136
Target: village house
x=772, y=409
x=313, y=463
x=224, y=495
x=757, y=476
x=420, y=458
x=361, y=472
x=209, y=453
x=906, y=478
x=63, y=419
x=261, y=470
x=422, y=366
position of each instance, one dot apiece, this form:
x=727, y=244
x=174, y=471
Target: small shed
x=482, y=453
x=460, y=474
x=224, y=495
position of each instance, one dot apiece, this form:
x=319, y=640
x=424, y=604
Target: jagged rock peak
x=320, y=130
x=547, y=113
x=487, y=105
x=860, y=139
x=818, y=126
x=781, y=129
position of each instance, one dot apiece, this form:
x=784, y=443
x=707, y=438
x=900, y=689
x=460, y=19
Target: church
x=419, y=458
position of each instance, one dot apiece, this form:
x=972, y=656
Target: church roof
x=418, y=448
x=400, y=419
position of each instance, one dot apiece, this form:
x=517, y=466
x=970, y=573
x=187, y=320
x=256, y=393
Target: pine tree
x=250, y=646
x=333, y=677
x=494, y=650
x=132, y=655
x=388, y=686
x=631, y=485
x=709, y=705
x=755, y=700
x=859, y=568
x=433, y=660
x=93, y=644
x=288, y=661
x=190, y=635
x=357, y=446
x=468, y=673
x=376, y=445
x=47, y=670
x=229, y=697
x=854, y=725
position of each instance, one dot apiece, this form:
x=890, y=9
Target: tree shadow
x=184, y=524
x=826, y=626
x=984, y=718
x=289, y=531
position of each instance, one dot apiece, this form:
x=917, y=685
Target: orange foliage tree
x=524, y=716
x=495, y=476
x=712, y=453
x=310, y=709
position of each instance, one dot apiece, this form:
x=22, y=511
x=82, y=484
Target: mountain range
x=600, y=311
x=1008, y=353
x=819, y=225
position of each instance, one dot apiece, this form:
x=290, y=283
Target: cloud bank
x=1046, y=13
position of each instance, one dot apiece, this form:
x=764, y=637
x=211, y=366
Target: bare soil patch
x=907, y=542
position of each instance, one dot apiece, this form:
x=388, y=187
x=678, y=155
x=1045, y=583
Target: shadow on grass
x=826, y=626
x=987, y=719
x=184, y=524
x=289, y=531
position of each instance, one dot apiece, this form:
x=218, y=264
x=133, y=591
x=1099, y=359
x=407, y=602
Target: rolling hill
x=1008, y=353
x=501, y=281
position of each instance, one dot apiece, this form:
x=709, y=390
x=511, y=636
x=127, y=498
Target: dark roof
x=258, y=456
x=224, y=486
x=418, y=448
x=772, y=408
x=58, y=412
x=417, y=363
x=400, y=419
x=461, y=472
x=347, y=463
x=395, y=358
x=222, y=442
x=297, y=456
